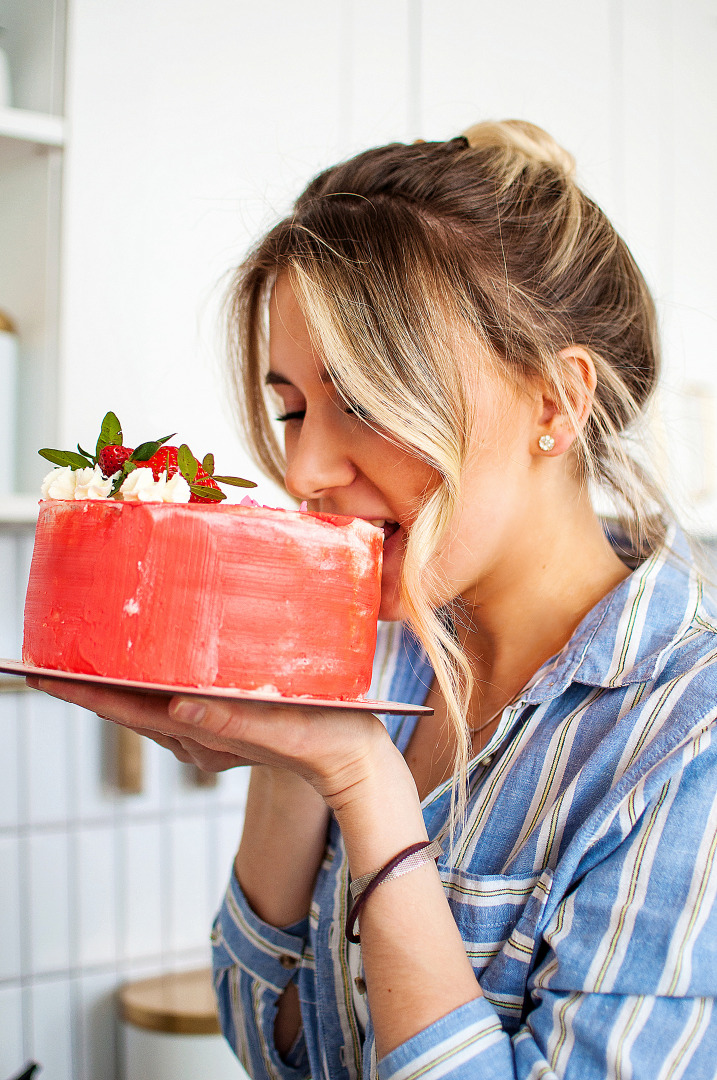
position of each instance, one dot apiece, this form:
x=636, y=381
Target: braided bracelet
x=409, y=859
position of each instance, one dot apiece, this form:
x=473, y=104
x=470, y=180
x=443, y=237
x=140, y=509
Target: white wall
x=187, y=139
x=191, y=127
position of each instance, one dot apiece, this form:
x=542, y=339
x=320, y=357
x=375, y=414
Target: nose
x=317, y=462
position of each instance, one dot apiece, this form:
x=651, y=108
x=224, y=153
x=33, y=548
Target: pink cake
x=205, y=595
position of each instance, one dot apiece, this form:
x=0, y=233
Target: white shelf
x=18, y=509
x=39, y=128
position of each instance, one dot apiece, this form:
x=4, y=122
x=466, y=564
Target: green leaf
x=146, y=450
x=234, y=481
x=86, y=453
x=110, y=433
x=207, y=492
x=188, y=464
x=64, y=457
x=128, y=467
x=118, y=482
x=208, y=464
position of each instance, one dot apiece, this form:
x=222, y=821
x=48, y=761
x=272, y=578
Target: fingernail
x=188, y=711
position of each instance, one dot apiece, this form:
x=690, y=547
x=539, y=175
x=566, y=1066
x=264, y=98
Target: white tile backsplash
x=46, y=744
x=10, y=951
x=9, y=771
x=51, y=1033
x=96, y=893
x=143, y=918
x=189, y=895
x=12, y=1054
x=95, y=796
x=48, y=914
x=228, y=833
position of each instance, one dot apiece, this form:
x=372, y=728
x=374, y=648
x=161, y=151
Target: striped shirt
x=583, y=881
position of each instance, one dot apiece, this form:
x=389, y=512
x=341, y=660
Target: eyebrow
x=273, y=378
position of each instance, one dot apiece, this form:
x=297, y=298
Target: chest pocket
x=499, y=917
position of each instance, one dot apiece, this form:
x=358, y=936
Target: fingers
x=128, y=707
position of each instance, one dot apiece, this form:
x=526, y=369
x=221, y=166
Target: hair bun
x=523, y=139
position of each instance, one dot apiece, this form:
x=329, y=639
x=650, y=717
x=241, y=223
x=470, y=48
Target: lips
x=388, y=527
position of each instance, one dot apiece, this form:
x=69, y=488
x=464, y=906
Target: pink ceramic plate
x=17, y=667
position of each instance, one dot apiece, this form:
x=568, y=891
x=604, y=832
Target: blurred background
x=143, y=147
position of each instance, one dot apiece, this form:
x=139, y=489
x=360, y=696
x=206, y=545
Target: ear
x=554, y=421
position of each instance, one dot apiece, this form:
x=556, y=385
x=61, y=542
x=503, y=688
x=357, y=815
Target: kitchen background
x=142, y=148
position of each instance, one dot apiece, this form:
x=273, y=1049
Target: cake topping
x=141, y=486
x=166, y=473
x=69, y=483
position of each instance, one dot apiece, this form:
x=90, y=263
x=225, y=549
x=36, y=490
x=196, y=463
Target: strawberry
x=116, y=460
x=203, y=479
x=112, y=458
x=164, y=459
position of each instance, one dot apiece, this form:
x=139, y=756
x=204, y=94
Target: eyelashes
x=298, y=414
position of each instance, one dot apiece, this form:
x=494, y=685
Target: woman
x=458, y=339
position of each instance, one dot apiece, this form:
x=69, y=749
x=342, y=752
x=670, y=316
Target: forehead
x=291, y=350
x=287, y=325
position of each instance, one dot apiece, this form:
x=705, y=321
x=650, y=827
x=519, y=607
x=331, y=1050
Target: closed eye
x=298, y=414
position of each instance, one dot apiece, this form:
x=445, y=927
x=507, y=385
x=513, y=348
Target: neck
x=530, y=604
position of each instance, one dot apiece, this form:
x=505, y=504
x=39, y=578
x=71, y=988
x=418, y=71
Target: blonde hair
x=404, y=252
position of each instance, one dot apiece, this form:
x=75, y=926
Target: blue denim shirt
x=583, y=881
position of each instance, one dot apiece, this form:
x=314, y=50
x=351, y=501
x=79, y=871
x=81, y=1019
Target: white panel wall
x=191, y=128
x=187, y=138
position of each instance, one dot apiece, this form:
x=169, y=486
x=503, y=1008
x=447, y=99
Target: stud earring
x=546, y=443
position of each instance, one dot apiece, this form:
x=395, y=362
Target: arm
x=281, y=848
x=414, y=958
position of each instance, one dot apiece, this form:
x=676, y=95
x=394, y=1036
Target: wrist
x=380, y=814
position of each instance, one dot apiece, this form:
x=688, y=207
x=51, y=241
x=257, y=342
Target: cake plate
x=17, y=667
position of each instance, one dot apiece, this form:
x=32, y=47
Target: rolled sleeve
x=466, y=1043
x=253, y=964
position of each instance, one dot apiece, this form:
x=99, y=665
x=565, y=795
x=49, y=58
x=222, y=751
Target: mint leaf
x=64, y=458
x=85, y=453
x=208, y=464
x=235, y=481
x=117, y=484
x=110, y=433
x=207, y=492
x=188, y=465
x=145, y=451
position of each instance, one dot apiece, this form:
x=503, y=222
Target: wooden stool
x=171, y=1030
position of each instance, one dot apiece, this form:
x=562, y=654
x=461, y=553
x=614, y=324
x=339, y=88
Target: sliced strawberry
x=112, y=458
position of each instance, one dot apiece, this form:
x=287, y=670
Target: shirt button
x=360, y=984
x=486, y=760
x=287, y=961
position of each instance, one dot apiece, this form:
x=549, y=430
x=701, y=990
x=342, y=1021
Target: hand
x=332, y=749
